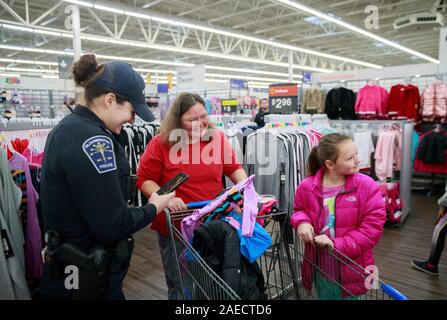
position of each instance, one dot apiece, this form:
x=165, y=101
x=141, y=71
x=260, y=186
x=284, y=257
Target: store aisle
x=412, y=241
x=145, y=279
x=397, y=247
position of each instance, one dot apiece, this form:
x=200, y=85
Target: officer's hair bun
x=84, y=69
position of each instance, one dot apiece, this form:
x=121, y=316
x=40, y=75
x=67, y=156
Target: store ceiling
x=268, y=20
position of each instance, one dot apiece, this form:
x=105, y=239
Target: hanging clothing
x=279, y=161
x=134, y=140
x=313, y=101
x=340, y=104
x=404, y=102
x=388, y=153
x=12, y=261
x=371, y=99
x=365, y=146
x=33, y=236
x=434, y=103
x=426, y=151
x=415, y=142
x=432, y=147
x=393, y=204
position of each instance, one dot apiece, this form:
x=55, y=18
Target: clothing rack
x=27, y=124
x=230, y=118
x=278, y=157
x=407, y=146
x=387, y=82
x=283, y=118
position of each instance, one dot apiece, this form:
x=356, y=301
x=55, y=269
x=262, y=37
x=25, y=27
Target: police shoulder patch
x=99, y=150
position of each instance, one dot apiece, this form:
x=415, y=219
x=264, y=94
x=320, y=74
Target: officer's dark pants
x=54, y=289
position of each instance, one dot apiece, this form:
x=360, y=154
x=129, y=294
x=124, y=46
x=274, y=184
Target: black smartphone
x=173, y=184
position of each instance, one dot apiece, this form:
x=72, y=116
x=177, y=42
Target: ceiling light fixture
x=140, y=44
x=351, y=27
x=215, y=30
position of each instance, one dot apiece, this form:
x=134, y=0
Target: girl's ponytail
x=314, y=163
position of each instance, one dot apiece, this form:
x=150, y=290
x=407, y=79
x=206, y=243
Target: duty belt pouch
x=121, y=254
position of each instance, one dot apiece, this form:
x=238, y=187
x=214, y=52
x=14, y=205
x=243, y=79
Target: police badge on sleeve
x=99, y=149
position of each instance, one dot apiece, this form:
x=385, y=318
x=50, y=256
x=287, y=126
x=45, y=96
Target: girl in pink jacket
x=337, y=207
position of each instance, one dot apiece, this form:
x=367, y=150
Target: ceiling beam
x=46, y=13
x=238, y=13
x=210, y=5
x=12, y=12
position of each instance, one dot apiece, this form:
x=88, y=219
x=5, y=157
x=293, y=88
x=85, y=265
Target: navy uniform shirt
x=85, y=183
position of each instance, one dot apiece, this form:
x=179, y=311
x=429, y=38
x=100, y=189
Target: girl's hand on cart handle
x=177, y=204
x=324, y=241
x=306, y=233
x=161, y=202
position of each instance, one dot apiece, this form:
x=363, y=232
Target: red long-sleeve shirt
x=205, y=163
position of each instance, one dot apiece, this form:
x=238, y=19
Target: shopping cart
x=196, y=280
x=291, y=270
x=327, y=274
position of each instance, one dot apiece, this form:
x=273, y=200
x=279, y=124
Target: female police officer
x=85, y=185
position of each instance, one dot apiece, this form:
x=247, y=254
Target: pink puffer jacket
x=359, y=220
x=371, y=99
x=434, y=103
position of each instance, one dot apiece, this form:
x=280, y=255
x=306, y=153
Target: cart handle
x=199, y=204
x=393, y=293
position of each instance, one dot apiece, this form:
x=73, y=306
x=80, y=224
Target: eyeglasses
x=203, y=117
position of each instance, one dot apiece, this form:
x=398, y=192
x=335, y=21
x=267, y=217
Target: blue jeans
x=173, y=282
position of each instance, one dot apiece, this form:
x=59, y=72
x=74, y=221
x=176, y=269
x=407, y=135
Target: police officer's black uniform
x=84, y=191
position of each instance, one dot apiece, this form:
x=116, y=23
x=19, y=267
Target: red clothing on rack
x=404, y=102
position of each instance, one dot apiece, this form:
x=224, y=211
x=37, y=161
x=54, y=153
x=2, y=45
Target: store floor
x=412, y=241
x=397, y=247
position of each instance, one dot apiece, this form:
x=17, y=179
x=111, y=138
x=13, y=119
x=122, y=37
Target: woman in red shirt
x=187, y=143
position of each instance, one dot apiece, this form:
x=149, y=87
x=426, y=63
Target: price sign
x=229, y=106
x=283, y=98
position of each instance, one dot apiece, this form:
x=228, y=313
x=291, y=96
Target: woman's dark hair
x=181, y=104
x=85, y=71
x=327, y=149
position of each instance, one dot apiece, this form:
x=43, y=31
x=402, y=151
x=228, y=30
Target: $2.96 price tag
x=279, y=103
x=283, y=98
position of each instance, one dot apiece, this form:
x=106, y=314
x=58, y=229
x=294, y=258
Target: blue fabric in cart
x=251, y=247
